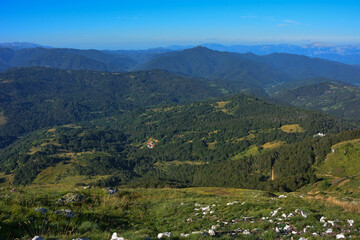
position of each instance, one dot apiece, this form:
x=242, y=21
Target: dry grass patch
x=292, y=128
x=272, y=145
x=212, y=145
x=347, y=206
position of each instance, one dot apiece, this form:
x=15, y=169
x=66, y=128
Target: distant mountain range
x=21, y=45
x=64, y=58
x=243, y=72
x=349, y=54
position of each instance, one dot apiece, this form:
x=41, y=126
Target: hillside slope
x=33, y=98
x=203, y=62
x=335, y=98
x=227, y=142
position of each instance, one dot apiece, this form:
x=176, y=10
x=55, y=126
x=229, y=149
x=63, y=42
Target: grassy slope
x=138, y=213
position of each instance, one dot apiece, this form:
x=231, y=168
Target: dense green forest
x=336, y=98
x=33, y=98
x=236, y=141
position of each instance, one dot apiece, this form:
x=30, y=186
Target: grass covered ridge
x=142, y=213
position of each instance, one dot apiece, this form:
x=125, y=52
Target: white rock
x=303, y=214
x=331, y=222
x=232, y=203
x=329, y=231
x=283, y=215
x=214, y=227
x=302, y=238
x=294, y=232
x=207, y=208
x=350, y=222
x=197, y=205
x=38, y=238
x=277, y=230
x=282, y=196
x=322, y=219
x=290, y=215
x=314, y=234
x=164, y=235
x=211, y=232
x=116, y=237
x=184, y=234
x=247, y=232
x=274, y=213
x=340, y=236
x=288, y=228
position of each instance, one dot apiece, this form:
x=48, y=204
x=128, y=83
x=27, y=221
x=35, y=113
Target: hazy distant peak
x=21, y=45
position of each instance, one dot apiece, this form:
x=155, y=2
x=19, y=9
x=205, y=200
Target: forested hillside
x=33, y=98
x=238, y=141
x=339, y=99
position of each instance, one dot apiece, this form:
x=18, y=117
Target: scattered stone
x=288, y=228
x=212, y=232
x=232, y=203
x=116, y=237
x=111, y=191
x=331, y=222
x=41, y=210
x=214, y=227
x=340, y=236
x=66, y=212
x=81, y=239
x=184, y=235
x=38, y=238
x=322, y=219
x=329, y=231
x=350, y=222
x=164, y=235
x=70, y=198
x=246, y=232
x=282, y=196
x=303, y=214
x=86, y=187
x=302, y=238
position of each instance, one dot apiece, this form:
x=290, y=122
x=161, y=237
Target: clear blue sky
x=124, y=24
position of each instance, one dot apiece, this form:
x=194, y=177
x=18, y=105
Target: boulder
x=116, y=237
x=70, y=198
x=212, y=232
x=41, y=210
x=111, y=191
x=66, y=212
x=38, y=238
x=340, y=236
x=164, y=235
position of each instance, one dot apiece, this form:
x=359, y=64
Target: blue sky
x=124, y=24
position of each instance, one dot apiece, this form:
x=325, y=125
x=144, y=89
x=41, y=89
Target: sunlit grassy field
x=187, y=213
